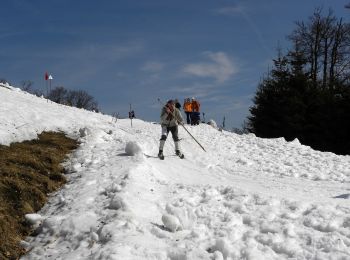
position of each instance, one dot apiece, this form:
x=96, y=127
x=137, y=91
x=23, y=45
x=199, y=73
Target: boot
x=160, y=155
x=178, y=151
x=161, y=146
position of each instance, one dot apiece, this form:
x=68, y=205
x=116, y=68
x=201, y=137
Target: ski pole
x=130, y=115
x=192, y=136
x=183, y=127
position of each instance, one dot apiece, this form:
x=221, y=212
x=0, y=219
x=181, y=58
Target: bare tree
x=82, y=99
x=325, y=42
x=75, y=98
x=26, y=85
x=340, y=54
x=58, y=95
x=308, y=38
x=3, y=81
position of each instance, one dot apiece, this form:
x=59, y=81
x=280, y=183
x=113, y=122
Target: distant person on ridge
x=170, y=118
x=195, y=115
x=177, y=104
x=132, y=114
x=188, y=109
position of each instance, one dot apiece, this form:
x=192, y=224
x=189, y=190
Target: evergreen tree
x=307, y=93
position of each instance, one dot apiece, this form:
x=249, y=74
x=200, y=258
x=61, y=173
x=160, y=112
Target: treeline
x=61, y=95
x=75, y=98
x=307, y=93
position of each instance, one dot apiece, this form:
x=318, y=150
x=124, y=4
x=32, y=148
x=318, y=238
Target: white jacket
x=172, y=119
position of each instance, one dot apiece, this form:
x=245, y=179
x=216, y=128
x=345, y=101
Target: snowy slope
x=245, y=198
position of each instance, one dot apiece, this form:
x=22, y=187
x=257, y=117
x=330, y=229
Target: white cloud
x=241, y=10
x=230, y=10
x=110, y=52
x=152, y=66
x=221, y=67
x=196, y=89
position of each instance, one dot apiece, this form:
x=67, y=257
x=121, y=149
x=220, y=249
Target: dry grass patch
x=29, y=171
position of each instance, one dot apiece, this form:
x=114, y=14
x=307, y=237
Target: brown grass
x=29, y=171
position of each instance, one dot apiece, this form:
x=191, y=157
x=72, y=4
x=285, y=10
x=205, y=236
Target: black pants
x=195, y=118
x=188, y=117
x=174, y=132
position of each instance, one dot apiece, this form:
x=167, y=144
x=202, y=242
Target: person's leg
x=164, y=135
x=188, y=119
x=198, y=118
x=175, y=134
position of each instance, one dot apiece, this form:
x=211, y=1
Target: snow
x=171, y=222
x=132, y=148
x=245, y=198
x=33, y=219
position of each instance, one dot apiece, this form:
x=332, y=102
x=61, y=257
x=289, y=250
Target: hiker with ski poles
x=170, y=118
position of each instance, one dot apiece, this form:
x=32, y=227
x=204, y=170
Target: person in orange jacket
x=195, y=105
x=188, y=109
x=195, y=115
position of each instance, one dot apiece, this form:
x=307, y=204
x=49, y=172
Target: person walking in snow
x=195, y=115
x=188, y=109
x=195, y=105
x=170, y=118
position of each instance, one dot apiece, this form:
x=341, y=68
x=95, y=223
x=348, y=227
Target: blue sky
x=129, y=51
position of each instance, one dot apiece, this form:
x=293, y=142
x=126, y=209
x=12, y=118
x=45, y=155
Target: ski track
x=245, y=198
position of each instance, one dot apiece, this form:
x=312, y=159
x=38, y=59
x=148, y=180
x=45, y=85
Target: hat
x=193, y=98
x=170, y=101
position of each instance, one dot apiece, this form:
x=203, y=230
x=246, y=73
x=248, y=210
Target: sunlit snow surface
x=245, y=198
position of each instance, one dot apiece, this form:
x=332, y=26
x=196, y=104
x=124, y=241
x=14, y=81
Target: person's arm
x=167, y=114
x=178, y=116
x=163, y=115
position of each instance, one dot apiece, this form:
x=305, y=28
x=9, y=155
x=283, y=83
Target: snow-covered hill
x=245, y=198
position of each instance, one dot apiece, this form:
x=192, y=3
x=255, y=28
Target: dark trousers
x=174, y=132
x=195, y=118
x=188, y=117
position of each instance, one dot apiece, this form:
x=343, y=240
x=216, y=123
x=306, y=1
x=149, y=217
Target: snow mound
x=84, y=132
x=171, y=222
x=5, y=85
x=117, y=203
x=133, y=148
x=33, y=219
x=212, y=123
x=223, y=246
x=183, y=213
